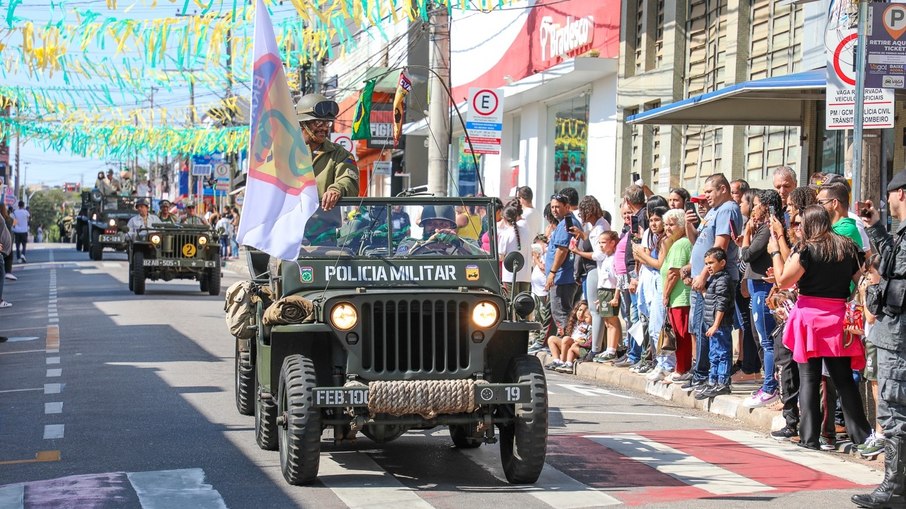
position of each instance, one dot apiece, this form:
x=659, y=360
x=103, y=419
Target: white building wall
x=601, y=173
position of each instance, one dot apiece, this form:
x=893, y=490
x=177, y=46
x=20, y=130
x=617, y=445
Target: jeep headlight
x=202, y=240
x=155, y=239
x=111, y=223
x=344, y=316
x=485, y=314
x=94, y=217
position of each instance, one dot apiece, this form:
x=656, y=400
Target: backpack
x=240, y=306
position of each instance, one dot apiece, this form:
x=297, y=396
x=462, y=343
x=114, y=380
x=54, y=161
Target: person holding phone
x=558, y=262
x=635, y=199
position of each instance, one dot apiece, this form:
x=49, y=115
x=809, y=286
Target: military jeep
x=107, y=224
x=168, y=251
x=402, y=333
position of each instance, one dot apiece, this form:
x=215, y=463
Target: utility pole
x=439, y=108
x=860, y=102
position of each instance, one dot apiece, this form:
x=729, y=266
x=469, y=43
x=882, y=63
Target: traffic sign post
x=841, y=97
x=484, y=121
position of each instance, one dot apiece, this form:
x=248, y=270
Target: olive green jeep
x=403, y=325
x=168, y=251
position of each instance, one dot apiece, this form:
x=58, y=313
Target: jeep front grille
x=414, y=335
x=171, y=245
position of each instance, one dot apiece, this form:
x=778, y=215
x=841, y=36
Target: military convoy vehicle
x=105, y=223
x=167, y=251
x=378, y=332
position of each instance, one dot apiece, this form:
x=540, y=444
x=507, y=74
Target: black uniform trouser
x=751, y=362
x=789, y=379
x=892, y=391
x=840, y=370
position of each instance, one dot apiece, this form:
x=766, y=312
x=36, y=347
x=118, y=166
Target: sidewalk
x=729, y=405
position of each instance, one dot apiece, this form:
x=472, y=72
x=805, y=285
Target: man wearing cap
x=335, y=171
x=438, y=223
x=889, y=338
x=103, y=185
x=143, y=219
x=113, y=181
x=191, y=218
x=164, y=213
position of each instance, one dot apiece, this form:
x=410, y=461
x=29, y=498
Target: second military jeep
x=170, y=251
x=399, y=333
x=106, y=226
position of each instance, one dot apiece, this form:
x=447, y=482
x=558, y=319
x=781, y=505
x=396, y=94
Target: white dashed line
x=53, y=388
x=53, y=431
x=53, y=408
x=54, y=373
x=53, y=360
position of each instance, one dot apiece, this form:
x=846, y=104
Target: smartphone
x=773, y=211
x=690, y=207
x=634, y=229
x=570, y=221
x=636, y=178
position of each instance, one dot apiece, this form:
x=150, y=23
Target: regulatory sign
x=382, y=168
x=840, y=98
x=484, y=121
x=345, y=140
x=886, y=51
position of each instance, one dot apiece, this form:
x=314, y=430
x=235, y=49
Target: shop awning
x=770, y=101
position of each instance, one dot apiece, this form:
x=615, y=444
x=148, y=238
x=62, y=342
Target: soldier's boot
x=891, y=493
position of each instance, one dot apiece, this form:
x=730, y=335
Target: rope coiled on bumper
x=427, y=398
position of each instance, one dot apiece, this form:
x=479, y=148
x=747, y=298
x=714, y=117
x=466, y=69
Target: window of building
x=569, y=125
x=635, y=140
x=639, y=30
x=659, y=35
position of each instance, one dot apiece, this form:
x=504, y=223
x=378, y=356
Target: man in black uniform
x=887, y=301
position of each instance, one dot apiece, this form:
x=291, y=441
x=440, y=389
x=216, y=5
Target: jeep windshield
x=403, y=228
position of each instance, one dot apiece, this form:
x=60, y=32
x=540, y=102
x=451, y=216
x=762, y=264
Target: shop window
x=570, y=129
x=467, y=174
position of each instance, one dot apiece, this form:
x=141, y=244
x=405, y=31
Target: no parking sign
x=344, y=140
x=484, y=121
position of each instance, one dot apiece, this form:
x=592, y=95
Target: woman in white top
x=514, y=236
x=594, y=225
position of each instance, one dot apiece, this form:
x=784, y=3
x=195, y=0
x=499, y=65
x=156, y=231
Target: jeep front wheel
x=214, y=279
x=523, y=442
x=299, y=423
x=96, y=250
x=245, y=381
x=138, y=273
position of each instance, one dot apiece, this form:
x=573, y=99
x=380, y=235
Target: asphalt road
x=112, y=400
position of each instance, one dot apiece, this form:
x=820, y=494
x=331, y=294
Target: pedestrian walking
x=20, y=231
x=887, y=301
x=6, y=249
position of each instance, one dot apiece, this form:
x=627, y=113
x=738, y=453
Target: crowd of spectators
x=713, y=291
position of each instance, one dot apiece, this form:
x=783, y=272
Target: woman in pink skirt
x=823, y=265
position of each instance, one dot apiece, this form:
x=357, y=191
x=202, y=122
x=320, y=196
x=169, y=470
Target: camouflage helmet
x=316, y=107
x=442, y=212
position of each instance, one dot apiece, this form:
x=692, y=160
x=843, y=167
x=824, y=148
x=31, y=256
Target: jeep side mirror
x=513, y=262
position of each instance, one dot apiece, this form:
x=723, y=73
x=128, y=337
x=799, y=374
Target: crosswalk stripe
x=12, y=496
x=360, y=482
x=175, y=488
x=690, y=470
x=553, y=487
x=820, y=461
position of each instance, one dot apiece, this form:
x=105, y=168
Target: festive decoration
x=361, y=124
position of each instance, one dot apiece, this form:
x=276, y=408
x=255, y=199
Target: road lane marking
x=595, y=412
x=53, y=431
x=361, y=483
x=40, y=457
x=20, y=339
x=53, y=320
x=52, y=360
x=12, y=496
x=53, y=337
x=820, y=461
x=53, y=388
x=23, y=351
x=553, y=486
x=55, y=407
x=677, y=464
x=587, y=390
x=175, y=488
x=21, y=390
x=54, y=373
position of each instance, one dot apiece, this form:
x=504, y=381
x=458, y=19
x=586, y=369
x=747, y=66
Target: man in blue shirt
x=719, y=228
x=558, y=262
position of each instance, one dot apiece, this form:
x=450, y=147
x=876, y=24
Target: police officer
x=335, y=171
x=887, y=301
x=143, y=219
x=164, y=212
x=438, y=223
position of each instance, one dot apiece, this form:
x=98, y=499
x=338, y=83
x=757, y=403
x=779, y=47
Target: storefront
x=556, y=65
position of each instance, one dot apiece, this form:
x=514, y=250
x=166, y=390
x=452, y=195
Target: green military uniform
x=193, y=220
x=335, y=165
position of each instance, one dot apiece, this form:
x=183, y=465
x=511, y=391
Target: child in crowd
x=720, y=304
x=609, y=296
x=542, y=313
x=576, y=327
x=582, y=340
x=874, y=445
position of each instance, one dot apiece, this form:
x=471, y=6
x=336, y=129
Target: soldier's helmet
x=142, y=201
x=440, y=212
x=316, y=107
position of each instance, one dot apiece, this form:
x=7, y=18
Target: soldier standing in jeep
x=335, y=170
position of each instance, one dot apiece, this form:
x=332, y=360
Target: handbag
x=666, y=340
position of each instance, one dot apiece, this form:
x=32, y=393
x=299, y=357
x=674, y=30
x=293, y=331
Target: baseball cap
x=897, y=182
x=699, y=199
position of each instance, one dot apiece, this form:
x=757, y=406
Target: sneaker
x=704, y=391
x=552, y=365
x=565, y=367
x=5, y=304
x=656, y=375
x=608, y=356
x=623, y=362
x=682, y=378
x=784, y=433
x=873, y=446
x=645, y=367
x=761, y=398
x=675, y=378
x=589, y=357
x=22, y=259
x=827, y=443
x=536, y=347
x=11, y=277
x=720, y=390
x=743, y=377
x=693, y=385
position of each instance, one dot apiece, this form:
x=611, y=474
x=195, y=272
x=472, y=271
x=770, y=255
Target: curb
x=727, y=406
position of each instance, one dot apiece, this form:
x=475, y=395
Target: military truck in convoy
x=105, y=223
x=389, y=321
x=167, y=251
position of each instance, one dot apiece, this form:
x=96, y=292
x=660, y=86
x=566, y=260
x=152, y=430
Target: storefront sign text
x=562, y=40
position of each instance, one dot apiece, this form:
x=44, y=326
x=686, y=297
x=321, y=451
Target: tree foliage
x=47, y=207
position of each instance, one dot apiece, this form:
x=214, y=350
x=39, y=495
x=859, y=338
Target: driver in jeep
x=143, y=219
x=438, y=223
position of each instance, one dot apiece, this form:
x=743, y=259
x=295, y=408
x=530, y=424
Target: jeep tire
x=265, y=420
x=245, y=381
x=138, y=273
x=96, y=250
x=299, y=427
x=214, y=278
x=523, y=443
